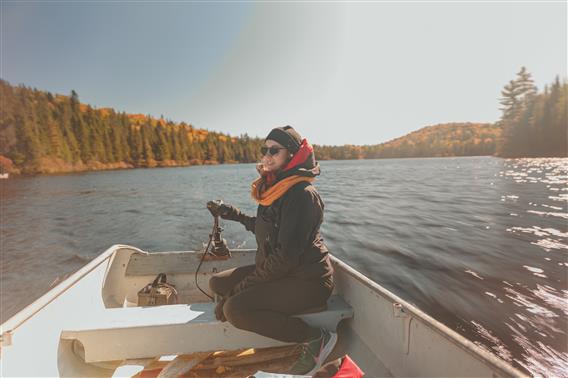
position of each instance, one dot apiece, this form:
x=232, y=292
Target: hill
x=450, y=139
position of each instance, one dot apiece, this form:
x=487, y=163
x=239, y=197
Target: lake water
x=479, y=243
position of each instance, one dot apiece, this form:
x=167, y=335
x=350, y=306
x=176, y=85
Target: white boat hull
x=386, y=336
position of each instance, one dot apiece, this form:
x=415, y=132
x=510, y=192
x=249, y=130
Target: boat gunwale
x=33, y=308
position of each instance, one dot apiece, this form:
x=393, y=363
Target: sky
x=341, y=73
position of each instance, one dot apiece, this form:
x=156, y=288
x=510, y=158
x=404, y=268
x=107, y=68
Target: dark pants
x=266, y=308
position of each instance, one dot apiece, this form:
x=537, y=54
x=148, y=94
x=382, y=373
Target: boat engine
x=219, y=246
x=219, y=249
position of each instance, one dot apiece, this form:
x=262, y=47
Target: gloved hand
x=219, y=311
x=218, y=208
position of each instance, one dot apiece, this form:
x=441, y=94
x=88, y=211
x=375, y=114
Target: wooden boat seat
x=141, y=332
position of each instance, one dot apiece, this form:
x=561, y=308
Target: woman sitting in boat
x=292, y=272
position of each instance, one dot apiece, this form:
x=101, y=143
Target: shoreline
x=125, y=166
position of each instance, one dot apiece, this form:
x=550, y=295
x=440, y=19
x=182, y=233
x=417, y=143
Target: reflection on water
x=478, y=243
x=539, y=324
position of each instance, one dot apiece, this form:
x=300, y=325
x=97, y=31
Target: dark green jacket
x=287, y=235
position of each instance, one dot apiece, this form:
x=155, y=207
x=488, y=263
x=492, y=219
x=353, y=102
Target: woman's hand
x=219, y=315
x=218, y=208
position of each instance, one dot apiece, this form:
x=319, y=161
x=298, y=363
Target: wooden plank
x=183, y=263
x=250, y=356
x=233, y=363
x=181, y=365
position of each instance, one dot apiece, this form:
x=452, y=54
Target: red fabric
x=299, y=157
x=349, y=369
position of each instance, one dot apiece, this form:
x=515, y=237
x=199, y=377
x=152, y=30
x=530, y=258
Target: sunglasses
x=271, y=150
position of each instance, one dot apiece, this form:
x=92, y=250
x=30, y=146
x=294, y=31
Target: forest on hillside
x=41, y=132
x=45, y=133
x=451, y=139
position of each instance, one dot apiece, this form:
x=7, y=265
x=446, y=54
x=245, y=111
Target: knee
x=214, y=285
x=235, y=313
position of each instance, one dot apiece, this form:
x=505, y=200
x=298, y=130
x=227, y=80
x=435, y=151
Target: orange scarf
x=266, y=197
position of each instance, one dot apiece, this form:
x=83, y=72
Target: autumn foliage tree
x=42, y=132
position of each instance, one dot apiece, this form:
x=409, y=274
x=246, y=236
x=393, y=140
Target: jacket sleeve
x=299, y=216
x=237, y=215
x=248, y=221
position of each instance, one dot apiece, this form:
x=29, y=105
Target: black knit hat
x=287, y=137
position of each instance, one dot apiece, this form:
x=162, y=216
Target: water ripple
x=478, y=243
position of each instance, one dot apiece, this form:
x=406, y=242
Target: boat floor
x=245, y=361
x=236, y=363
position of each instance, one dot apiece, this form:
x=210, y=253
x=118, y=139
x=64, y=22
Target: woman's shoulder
x=305, y=187
x=303, y=192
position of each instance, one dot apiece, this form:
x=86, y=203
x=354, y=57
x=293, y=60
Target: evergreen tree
x=80, y=128
x=147, y=143
x=558, y=128
x=536, y=124
x=197, y=151
x=136, y=147
x=162, y=150
x=185, y=153
x=173, y=141
x=517, y=95
x=28, y=149
x=210, y=148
